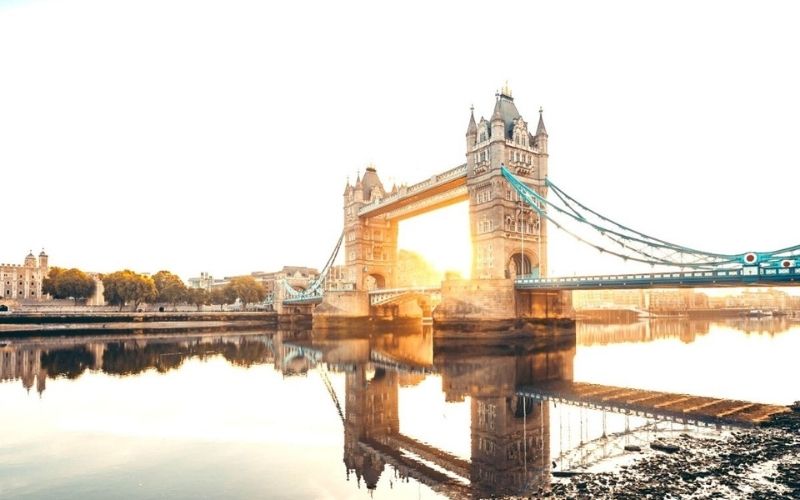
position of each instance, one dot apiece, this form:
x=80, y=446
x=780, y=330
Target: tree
x=49, y=283
x=169, y=288
x=124, y=287
x=198, y=297
x=246, y=289
x=72, y=284
x=217, y=296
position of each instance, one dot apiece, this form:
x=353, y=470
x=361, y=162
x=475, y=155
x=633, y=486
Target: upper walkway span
x=654, y=404
x=438, y=191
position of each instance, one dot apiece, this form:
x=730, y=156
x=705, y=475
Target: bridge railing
x=435, y=180
x=382, y=296
x=743, y=275
x=404, y=290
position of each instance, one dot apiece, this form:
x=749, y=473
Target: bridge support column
x=547, y=305
x=340, y=307
x=495, y=304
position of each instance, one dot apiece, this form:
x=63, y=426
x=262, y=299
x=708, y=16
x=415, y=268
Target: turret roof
x=472, y=128
x=371, y=180
x=540, y=130
x=506, y=110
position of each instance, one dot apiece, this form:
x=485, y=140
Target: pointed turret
x=497, y=114
x=472, y=128
x=540, y=130
x=359, y=189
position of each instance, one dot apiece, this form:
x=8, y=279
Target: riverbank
x=757, y=463
x=38, y=323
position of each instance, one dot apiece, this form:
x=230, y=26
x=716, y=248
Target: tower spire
x=472, y=128
x=506, y=90
x=540, y=130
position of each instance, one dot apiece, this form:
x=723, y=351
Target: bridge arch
x=522, y=263
x=374, y=281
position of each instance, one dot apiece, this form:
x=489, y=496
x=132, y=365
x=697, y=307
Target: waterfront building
x=23, y=282
x=297, y=276
x=204, y=281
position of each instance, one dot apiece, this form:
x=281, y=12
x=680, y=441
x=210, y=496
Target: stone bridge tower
x=370, y=244
x=508, y=238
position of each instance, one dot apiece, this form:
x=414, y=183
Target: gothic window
x=484, y=226
x=509, y=223
x=483, y=196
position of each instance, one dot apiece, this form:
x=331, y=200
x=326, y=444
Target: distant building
x=669, y=300
x=23, y=282
x=297, y=276
x=609, y=299
x=205, y=281
x=769, y=299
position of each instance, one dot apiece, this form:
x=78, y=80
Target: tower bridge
x=513, y=205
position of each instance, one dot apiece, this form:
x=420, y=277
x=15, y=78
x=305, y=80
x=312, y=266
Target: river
x=407, y=414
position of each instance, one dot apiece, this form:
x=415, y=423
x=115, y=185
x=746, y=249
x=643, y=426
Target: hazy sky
x=217, y=136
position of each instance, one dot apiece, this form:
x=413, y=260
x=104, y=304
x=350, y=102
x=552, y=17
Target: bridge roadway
x=746, y=276
x=654, y=404
x=438, y=481
x=385, y=296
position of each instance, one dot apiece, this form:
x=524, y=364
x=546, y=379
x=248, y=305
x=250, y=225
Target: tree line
x=128, y=288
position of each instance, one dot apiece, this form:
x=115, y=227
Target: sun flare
x=441, y=237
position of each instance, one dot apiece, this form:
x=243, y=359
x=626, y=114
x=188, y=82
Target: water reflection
x=34, y=362
x=447, y=414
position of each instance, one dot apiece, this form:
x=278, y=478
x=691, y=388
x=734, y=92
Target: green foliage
x=49, y=283
x=198, y=296
x=246, y=289
x=68, y=284
x=128, y=287
x=217, y=296
x=169, y=288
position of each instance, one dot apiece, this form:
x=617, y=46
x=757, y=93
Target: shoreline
x=49, y=324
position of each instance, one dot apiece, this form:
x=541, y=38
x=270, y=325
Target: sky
x=218, y=136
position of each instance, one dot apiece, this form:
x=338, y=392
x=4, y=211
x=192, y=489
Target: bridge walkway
x=655, y=404
x=406, y=466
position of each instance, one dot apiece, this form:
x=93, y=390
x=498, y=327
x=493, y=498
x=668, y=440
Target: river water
x=407, y=414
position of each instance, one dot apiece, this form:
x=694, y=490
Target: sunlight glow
x=441, y=237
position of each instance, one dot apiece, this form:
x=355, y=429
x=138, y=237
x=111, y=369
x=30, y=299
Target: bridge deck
x=654, y=404
x=438, y=481
x=689, y=279
x=439, y=190
x=436, y=456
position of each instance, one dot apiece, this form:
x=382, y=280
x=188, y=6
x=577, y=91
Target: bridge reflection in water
x=527, y=416
x=519, y=392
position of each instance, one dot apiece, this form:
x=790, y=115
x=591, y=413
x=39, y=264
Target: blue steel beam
x=746, y=276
